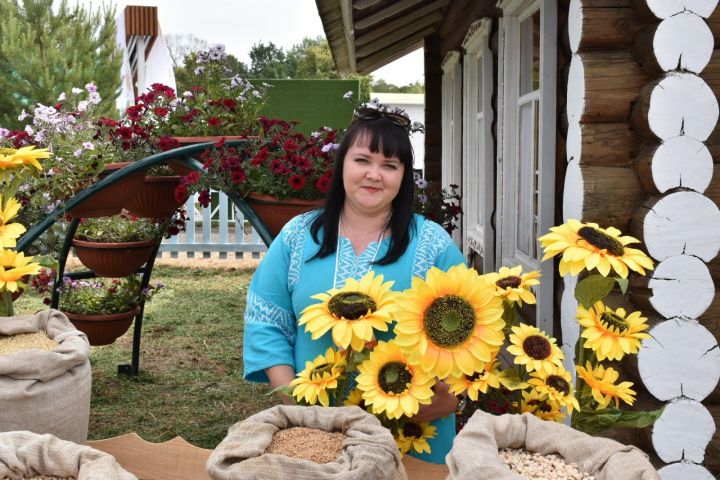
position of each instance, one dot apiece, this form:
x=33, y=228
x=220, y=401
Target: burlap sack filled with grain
x=368, y=453
x=46, y=392
x=27, y=454
x=474, y=453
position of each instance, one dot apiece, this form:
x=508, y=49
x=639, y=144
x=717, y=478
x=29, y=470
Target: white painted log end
x=575, y=22
x=681, y=359
x=685, y=471
x=683, y=42
x=570, y=328
x=668, y=8
x=573, y=143
x=682, y=287
x=573, y=192
x=682, y=104
x=683, y=431
x=681, y=162
x=681, y=223
x=575, y=89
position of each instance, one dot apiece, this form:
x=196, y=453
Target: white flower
x=88, y=146
x=76, y=90
x=94, y=98
x=348, y=95
x=23, y=115
x=187, y=93
x=39, y=137
x=29, y=130
x=199, y=70
x=376, y=102
x=46, y=195
x=266, y=85
x=82, y=106
x=4, y=132
x=329, y=147
x=62, y=97
x=256, y=94
x=78, y=152
x=90, y=87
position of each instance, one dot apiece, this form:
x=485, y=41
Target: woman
x=367, y=223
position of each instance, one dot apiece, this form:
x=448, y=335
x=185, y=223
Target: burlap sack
x=26, y=454
x=369, y=452
x=46, y=392
x=474, y=453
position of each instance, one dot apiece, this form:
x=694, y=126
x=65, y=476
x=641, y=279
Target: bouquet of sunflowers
x=463, y=328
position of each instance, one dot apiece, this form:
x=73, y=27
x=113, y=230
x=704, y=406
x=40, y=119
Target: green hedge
x=313, y=103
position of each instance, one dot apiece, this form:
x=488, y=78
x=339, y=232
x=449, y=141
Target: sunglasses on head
x=368, y=113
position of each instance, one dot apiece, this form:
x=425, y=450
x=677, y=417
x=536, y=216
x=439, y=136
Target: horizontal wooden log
x=683, y=432
x=681, y=287
x=677, y=104
x=685, y=471
x=682, y=222
x=602, y=144
x=604, y=195
x=649, y=10
x=606, y=25
x=714, y=24
x=681, y=42
x=602, y=85
x=711, y=73
x=680, y=162
x=681, y=359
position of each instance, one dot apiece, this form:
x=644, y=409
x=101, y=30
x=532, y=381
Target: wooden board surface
x=180, y=460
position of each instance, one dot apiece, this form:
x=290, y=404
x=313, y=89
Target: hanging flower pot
x=182, y=169
x=275, y=212
x=156, y=199
x=110, y=200
x=113, y=259
x=103, y=329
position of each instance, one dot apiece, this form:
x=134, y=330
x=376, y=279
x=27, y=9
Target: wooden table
x=180, y=460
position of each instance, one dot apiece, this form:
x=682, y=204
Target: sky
x=239, y=24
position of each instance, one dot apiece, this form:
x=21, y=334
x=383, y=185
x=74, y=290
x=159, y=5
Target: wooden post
x=433, y=109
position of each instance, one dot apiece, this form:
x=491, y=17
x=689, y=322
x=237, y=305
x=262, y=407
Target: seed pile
x=535, y=466
x=311, y=444
x=44, y=477
x=26, y=341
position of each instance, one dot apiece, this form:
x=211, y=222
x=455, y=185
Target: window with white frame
x=452, y=124
x=477, y=159
x=526, y=137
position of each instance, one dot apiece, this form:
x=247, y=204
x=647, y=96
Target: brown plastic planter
x=110, y=200
x=103, y=329
x=275, y=213
x=113, y=259
x=156, y=198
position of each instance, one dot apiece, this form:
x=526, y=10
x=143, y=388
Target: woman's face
x=371, y=180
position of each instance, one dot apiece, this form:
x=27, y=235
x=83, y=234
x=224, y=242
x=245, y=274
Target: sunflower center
x=558, y=383
x=544, y=407
x=509, y=282
x=476, y=376
x=602, y=241
x=351, y=305
x=537, y=347
x=449, y=320
x=322, y=368
x=411, y=429
x=394, y=377
x=613, y=320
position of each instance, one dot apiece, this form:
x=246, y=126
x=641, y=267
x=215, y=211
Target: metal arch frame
x=185, y=155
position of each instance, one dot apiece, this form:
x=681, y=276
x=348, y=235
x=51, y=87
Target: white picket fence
x=217, y=228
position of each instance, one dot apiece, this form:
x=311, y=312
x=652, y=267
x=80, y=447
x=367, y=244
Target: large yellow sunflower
x=541, y=406
x=451, y=322
x=611, y=333
x=513, y=285
x=11, y=158
x=391, y=385
x=477, y=383
x=319, y=376
x=535, y=350
x=9, y=232
x=587, y=246
x=602, y=382
x=355, y=399
x=13, y=266
x=557, y=386
x=351, y=312
x=415, y=436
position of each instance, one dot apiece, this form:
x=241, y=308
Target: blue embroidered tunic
x=284, y=282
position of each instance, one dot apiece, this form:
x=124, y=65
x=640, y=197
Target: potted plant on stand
x=103, y=309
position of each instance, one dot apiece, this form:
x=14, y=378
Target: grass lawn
x=190, y=381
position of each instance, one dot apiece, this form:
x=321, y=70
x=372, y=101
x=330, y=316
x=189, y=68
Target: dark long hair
x=383, y=134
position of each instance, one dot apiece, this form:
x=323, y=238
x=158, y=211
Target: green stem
x=7, y=304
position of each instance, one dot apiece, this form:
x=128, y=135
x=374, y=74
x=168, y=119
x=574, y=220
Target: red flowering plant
x=280, y=162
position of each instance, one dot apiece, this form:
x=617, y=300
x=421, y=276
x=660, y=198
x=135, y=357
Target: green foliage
x=185, y=78
x=46, y=50
x=595, y=421
x=103, y=297
x=118, y=229
x=592, y=289
x=381, y=86
x=267, y=61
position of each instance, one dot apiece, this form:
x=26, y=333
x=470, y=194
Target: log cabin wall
x=640, y=119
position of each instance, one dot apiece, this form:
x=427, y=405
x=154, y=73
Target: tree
x=181, y=45
x=311, y=58
x=381, y=86
x=267, y=61
x=45, y=51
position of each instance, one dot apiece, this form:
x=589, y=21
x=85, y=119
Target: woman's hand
x=443, y=404
x=281, y=375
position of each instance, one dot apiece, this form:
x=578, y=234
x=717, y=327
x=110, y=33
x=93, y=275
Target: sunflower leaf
x=511, y=380
x=285, y=389
x=623, y=284
x=639, y=419
x=595, y=421
x=592, y=289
